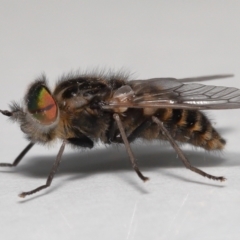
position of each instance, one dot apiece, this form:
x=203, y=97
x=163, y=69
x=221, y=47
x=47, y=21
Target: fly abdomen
x=192, y=127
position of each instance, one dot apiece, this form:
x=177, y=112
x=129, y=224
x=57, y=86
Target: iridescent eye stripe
x=42, y=105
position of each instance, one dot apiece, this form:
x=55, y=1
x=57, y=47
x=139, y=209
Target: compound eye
x=41, y=105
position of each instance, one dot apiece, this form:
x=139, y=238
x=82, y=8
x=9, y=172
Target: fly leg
x=51, y=174
x=134, y=134
x=128, y=147
x=180, y=153
x=19, y=157
x=24, y=151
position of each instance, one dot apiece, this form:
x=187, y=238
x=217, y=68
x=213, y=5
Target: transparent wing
x=169, y=92
x=205, y=78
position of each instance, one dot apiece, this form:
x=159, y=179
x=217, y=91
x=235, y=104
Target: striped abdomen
x=192, y=127
x=189, y=126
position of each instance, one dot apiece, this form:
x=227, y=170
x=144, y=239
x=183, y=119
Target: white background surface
x=96, y=195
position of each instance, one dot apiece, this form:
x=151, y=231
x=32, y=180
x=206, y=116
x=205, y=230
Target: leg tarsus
x=19, y=157
x=51, y=174
x=24, y=194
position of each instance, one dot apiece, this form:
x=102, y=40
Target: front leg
x=51, y=175
x=19, y=157
x=24, y=151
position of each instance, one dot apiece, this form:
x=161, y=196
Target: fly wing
x=170, y=93
x=205, y=78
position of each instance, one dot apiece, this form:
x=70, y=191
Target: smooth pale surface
x=96, y=194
